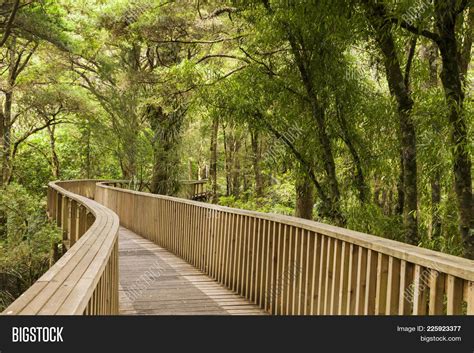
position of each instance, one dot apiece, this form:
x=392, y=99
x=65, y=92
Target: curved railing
x=85, y=279
x=291, y=266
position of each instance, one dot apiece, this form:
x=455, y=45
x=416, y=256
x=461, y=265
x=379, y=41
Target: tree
x=455, y=59
x=399, y=88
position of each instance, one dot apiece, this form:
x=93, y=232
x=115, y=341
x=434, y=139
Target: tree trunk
x=256, y=159
x=398, y=84
x=232, y=145
x=166, y=130
x=304, y=197
x=451, y=77
x=86, y=137
x=54, y=155
x=236, y=145
x=7, y=113
x=318, y=113
x=213, y=167
x=435, y=201
x=228, y=166
x=400, y=188
x=6, y=117
x=359, y=177
x=3, y=216
x=435, y=183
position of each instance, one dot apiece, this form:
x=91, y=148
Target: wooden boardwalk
x=287, y=265
x=153, y=281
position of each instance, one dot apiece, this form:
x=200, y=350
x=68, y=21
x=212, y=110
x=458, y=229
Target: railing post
x=65, y=216
x=72, y=222
x=82, y=221
x=52, y=207
x=90, y=219
x=49, y=203
x=470, y=297
x=59, y=208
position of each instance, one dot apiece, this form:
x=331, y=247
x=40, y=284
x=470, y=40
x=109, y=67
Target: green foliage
x=371, y=219
x=130, y=90
x=27, y=250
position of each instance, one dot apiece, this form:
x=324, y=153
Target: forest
x=356, y=113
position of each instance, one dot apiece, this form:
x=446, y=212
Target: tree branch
x=210, y=56
x=220, y=11
x=411, y=55
x=197, y=41
x=32, y=132
x=270, y=71
x=423, y=32
x=304, y=163
x=9, y=25
x=462, y=6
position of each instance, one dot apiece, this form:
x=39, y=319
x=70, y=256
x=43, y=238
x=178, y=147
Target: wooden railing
x=195, y=189
x=189, y=189
x=290, y=266
x=85, y=279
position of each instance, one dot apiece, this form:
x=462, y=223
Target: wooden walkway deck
x=153, y=281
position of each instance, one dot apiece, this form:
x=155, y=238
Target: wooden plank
x=437, y=286
x=322, y=274
x=310, y=269
x=268, y=265
x=286, y=279
x=248, y=255
x=469, y=297
x=420, y=282
x=406, y=293
x=361, y=280
x=454, y=295
x=372, y=281
x=382, y=284
x=274, y=295
x=261, y=269
x=294, y=272
x=282, y=263
x=302, y=272
x=352, y=279
x=273, y=269
x=344, y=279
x=336, y=278
x=235, y=265
x=254, y=259
x=393, y=286
x=229, y=250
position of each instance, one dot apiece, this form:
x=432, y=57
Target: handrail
x=85, y=278
x=193, y=182
x=191, y=189
x=195, y=189
x=291, y=266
